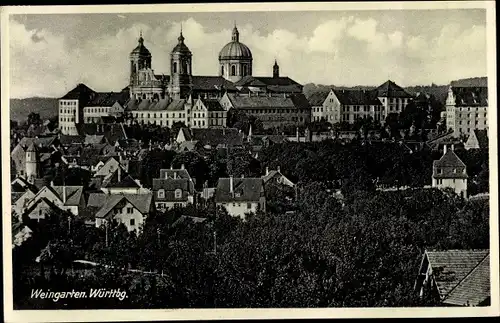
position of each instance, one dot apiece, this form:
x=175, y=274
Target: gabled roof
x=156, y=105
x=245, y=189
x=106, y=202
x=317, y=98
x=212, y=83
x=266, y=81
x=212, y=104
x=73, y=194
x=80, y=92
x=41, y=142
x=451, y=270
x=391, y=90
x=42, y=200
x=94, y=139
x=451, y=166
x=272, y=174
x=470, y=96
x=111, y=131
x=68, y=139
x=126, y=181
x=357, y=97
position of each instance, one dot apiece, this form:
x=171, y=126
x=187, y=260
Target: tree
x=34, y=119
x=241, y=163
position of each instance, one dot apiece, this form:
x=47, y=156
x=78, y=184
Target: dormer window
x=439, y=171
x=161, y=193
x=238, y=194
x=178, y=193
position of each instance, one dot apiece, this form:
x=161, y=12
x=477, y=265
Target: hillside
x=21, y=108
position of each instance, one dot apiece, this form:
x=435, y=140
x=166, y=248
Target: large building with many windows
x=467, y=106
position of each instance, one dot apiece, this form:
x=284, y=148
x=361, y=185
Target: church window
x=175, y=67
x=233, y=70
x=222, y=70
x=245, y=70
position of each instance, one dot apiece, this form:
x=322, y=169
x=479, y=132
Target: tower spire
x=236, y=34
x=141, y=40
x=181, y=37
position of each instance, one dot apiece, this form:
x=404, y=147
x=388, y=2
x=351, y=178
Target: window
x=439, y=171
x=233, y=70
x=130, y=210
x=178, y=193
x=222, y=70
x=161, y=193
x=249, y=206
x=175, y=67
x=245, y=70
x=132, y=222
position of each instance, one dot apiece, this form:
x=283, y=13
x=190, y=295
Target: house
x=455, y=277
x=394, y=98
x=161, y=111
x=41, y=209
x=467, y=106
x=317, y=100
x=174, y=188
x=129, y=209
x=104, y=168
x=450, y=172
x=20, y=200
x=20, y=233
x=44, y=146
x=276, y=177
x=272, y=109
x=478, y=139
x=69, y=198
x=208, y=113
x=240, y=196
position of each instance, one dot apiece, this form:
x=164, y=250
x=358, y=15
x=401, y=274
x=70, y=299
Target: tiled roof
x=317, y=98
x=169, y=173
x=471, y=82
x=107, y=99
x=214, y=136
x=450, y=165
x=482, y=138
x=247, y=102
x=474, y=288
x=160, y=105
x=14, y=196
x=46, y=201
x=357, y=97
x=188, y=145
x=265, y=80
x=94, y=139
x=73, y=194
x=245, y=189
x=212, y=105
x=391, y=90
x=111, y=180
x=211, y=83
x=470, y=96
x=106, y=202
x=451, y=267
x=82, y=93
x=170, y=185
x=68, y=139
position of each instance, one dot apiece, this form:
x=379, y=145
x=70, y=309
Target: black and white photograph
x=214, y=157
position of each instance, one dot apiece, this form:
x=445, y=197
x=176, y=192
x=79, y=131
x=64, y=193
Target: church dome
x=141, y=50
x=235, y=49
x=181, y=47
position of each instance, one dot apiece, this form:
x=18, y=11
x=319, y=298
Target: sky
x=51, y=53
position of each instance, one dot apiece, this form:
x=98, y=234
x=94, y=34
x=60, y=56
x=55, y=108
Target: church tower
x=180, y=70
x=31, y=163
x=140, y=59
x=276, y=70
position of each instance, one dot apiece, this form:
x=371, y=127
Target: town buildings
x=467, y=106
x=341, y=105
x=450, y=172
x=174, y=188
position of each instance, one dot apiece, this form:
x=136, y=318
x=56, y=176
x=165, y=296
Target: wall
x=459, y=185
x=161, y=118
x=93, y=114
x=69, y=114
x=238, y=208
x=122, y=215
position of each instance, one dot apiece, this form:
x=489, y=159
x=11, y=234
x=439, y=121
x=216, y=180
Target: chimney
x=452, y=147
x=51, y=183
x=279, y=170
x=175, y=175
x=171, y=166
x=182, y=166
x=267, y=171
x=119, y=173
x=297, y=134
x=64, y=193
x=231, y=184
x=444, y=149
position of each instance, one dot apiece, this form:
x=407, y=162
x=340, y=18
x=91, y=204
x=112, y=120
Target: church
x=235, y=74
x=194, y=100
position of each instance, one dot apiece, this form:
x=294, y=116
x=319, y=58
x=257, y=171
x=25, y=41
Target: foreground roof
x=461, y=275
x=245, y=189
